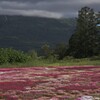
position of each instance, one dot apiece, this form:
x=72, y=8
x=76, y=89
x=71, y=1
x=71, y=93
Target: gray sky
x=46, y=8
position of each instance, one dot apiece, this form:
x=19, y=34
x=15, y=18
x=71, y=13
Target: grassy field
x=52, y=62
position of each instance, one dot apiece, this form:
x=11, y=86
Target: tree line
x=85, y=42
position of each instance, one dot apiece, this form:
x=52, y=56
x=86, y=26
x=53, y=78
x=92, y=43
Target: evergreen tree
x=98, y=19
x=98, y=28
x=84, y=42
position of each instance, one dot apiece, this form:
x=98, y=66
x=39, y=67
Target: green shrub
x=68, y=58
x=51, y=59
x=95, y=58
x=33, y=54
x=9, y=55
x=3, y=56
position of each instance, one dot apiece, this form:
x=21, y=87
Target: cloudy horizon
x=46, y=8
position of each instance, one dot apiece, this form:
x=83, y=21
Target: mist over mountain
x=27, y=33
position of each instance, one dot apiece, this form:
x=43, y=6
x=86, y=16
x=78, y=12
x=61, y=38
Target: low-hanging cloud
x=46, y=8
x=40, y=13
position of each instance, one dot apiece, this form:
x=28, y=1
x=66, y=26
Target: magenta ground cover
x=49, y=83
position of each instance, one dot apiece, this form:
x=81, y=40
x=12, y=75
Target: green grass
x=50, y=62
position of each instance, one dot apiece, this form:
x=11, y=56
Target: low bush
x=33, y=54
x=9, y=55
x=95, y=58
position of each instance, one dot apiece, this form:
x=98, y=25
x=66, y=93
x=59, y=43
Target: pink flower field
x=49, y=83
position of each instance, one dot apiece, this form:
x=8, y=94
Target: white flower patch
x=87, y=98
x=2, y=72
x=96, y=98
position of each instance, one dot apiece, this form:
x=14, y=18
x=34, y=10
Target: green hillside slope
x=26, y=33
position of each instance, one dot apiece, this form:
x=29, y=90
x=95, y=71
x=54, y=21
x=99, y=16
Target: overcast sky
x=46, y=8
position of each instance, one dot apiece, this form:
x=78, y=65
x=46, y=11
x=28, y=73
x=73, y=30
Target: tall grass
x=48, y=62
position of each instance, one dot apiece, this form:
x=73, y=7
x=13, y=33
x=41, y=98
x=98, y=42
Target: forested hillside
x=26, y=33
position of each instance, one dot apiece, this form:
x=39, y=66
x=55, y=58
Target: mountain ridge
x=26, y=33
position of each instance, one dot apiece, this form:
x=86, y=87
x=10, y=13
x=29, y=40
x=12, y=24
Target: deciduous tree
x=84, y=42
